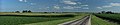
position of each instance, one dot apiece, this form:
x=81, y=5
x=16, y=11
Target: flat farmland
x=35, y=18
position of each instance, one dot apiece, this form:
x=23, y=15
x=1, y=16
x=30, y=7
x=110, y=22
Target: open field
x=11, y=20
x=111, y=17
x=56, y=22
x=26, y=20
x=52, y=18
x=98, y=21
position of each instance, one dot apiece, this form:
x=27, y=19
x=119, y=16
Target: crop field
x=56, y=22
x=98, y=21
x=114, y=17
x=53, y=18
x=28, y=20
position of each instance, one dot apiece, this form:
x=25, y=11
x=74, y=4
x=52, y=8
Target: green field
x=56, y=22
x=52, y=18
x=98, y=21
x=26, y=20
x=11, y=20
x=115, y=17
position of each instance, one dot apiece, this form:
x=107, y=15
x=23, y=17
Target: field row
x=98, y=21
x=26, y=20
x=112, y=17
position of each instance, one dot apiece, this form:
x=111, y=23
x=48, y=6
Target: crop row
x=13, y=20
x=98, y=21
x=112, y=17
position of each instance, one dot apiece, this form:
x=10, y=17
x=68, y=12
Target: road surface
x=84, y=21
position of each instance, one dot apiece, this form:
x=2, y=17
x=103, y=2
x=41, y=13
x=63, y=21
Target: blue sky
x=60, y=5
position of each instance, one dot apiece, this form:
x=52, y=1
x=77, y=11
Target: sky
x=60, y=5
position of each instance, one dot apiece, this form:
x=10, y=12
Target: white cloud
x=77, y=7
x=23, y=0
x=71, y=7
x=69, y=2
x=56, y=7
x=20, y=0
x=99, y=7
x=107, y=6
x=68, y=7
x=33, y=3
x=115, y=4
x=85, y=8
x=110, y=5
x=84, y=5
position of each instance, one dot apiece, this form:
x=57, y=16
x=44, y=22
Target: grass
x=98, y=21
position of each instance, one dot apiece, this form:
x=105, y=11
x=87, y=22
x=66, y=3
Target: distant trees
x=103, y=12
x=29, y=11
x=108, y=12
x=25, y=11
x=17, y=11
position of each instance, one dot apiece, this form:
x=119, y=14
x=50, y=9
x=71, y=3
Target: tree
x=109, y=12
x=24, y=11
x=103, y=12
x=29, y=11
x=17, y=12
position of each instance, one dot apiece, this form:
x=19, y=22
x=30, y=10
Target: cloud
x=71, y=7
x=47, y=7
x=84, y=5
x=99, y=7
x=85, y=8
x=33, y=3
x=69, y=2
x=107, y=6
x=115, y=4
x=79, y=2
x=110, y=5
x=56, y=7
x=68, y=7
x=77, y=7
x=23, y=0
x=20, y=0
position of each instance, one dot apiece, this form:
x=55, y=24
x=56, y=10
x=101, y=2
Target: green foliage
x=115, y=17
x=97, y=21
x=11, y=20
x=56, y=22
x=36, y=18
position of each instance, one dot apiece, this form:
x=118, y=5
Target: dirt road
x=84, y=21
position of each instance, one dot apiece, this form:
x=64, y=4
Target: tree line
x=24, y=11
x=104, y=12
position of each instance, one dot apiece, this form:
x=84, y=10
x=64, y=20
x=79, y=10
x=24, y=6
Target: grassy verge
x=97, y=21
